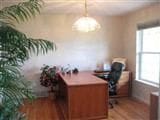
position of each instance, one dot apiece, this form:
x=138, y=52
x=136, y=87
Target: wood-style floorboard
x=46, y=109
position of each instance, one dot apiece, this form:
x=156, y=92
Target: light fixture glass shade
x=86, y=24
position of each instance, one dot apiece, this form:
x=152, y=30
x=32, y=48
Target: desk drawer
x=123, y=89
x=124, y=85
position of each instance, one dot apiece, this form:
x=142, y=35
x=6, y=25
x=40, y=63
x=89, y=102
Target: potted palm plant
x=15, y=48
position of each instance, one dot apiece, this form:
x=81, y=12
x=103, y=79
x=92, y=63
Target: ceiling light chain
x=86, y=10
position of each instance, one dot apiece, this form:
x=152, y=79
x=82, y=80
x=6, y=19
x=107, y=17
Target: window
x=148, y=54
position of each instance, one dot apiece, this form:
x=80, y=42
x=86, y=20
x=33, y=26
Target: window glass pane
x=151, y=40
x=138, y=41
x=150, y=67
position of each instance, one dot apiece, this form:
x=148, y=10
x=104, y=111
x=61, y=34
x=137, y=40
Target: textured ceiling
x=100, y=7
x=104, y=7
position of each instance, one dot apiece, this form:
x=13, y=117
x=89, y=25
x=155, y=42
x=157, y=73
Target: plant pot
x=51, y=95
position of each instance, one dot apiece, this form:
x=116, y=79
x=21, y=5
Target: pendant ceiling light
x=86, y=24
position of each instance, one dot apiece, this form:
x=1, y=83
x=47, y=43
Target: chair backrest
x=120, y=60
x=116, y=70
x=114, y=76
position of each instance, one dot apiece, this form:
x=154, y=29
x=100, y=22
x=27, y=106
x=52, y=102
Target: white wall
x=140, y=90
x=81, y=50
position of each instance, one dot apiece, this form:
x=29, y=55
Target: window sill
x=148, y=83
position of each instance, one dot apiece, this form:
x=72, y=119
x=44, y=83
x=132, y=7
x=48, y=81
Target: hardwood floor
x=46, y=109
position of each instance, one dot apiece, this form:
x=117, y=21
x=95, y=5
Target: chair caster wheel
x=110, y=105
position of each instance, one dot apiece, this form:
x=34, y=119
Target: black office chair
x=113, y=77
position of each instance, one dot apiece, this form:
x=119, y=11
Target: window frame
x=139, y=53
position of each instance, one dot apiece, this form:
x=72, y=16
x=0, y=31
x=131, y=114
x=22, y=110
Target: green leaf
x=15, y=49
x=21, y=12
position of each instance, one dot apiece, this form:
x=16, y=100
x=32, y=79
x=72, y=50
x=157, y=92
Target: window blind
x=148, y=25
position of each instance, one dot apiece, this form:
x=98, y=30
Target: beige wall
x=140, y=90
x=116, y=38
x=81, y=50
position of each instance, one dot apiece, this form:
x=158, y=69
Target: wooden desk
x=154, y=106
x=83, y=96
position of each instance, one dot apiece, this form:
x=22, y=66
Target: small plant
x=49, y=77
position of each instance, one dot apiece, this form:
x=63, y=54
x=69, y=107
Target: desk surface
x=82, y=78
x=155, y=93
